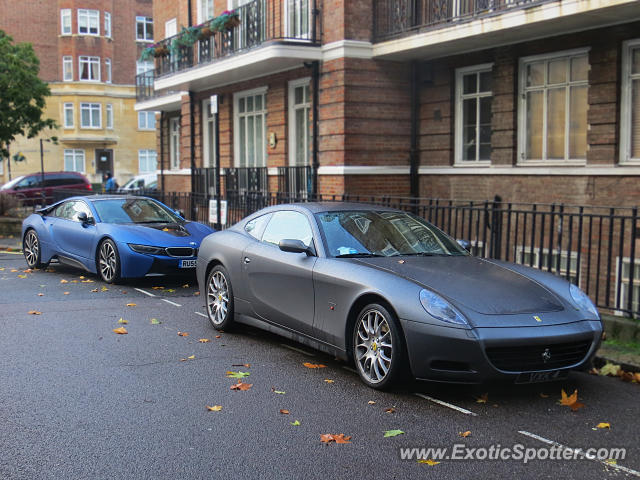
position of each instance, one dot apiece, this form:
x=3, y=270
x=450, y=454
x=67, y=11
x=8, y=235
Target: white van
x=139, y=182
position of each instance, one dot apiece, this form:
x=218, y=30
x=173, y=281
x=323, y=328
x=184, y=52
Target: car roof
x=318, y=207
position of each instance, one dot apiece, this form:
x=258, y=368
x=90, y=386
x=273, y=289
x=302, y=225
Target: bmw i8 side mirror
x=84, y=219
x=295, y=246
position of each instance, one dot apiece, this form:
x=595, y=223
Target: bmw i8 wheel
x=378, y=349
x=31, y=250
x=108, y=261
x=219, y=298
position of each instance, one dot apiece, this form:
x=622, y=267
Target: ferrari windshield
x=383, y=233
x=134, y=210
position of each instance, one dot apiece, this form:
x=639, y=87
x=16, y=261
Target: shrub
x=7, y=203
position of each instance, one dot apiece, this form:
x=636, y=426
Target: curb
x=599, y=361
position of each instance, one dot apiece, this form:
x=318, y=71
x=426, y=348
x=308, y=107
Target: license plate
x=187, y=264
x=537, y=377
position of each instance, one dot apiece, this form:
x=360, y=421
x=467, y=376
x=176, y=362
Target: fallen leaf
x=157, y=288
x=241, y=365
x=295, y=423
x=482, y=398
x=170, y=290
x=604, y=425
x=544, y=395
x=183, y=334
x=66, y=293
x=14, y=270
x=610, y=370
x=2, y=269
x=81, y=277
x=328, y=380
x=215, y=408
x=390, y=410
x=332, y=437
x=191, y=357
x=201, y=340
x=465, y=434
x=571, y=401
x=22, y=276
x=120, y=331
x=626, y=376
x=131, y=305
x=64, y=281
x=218, y=336
x=611, y=461
x=74, y=281
x=429, y=462
x=393, y=433
x=28, y=270
x=371, y=402
x=196, y=293
x=186, y=285
x=34, y=312
x=165, y=229
x=155, y=321
x=87, y=281
x=636, y=377
x=279, y=392
x=594, y=371
x=237, y=374
x=284, y=412
x=241, y=386
x=313, y=365
x=41, y=294
x=104, y=289
x=94, y=290
x=122, y=321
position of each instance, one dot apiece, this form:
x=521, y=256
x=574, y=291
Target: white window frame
x=522, y=107
x=626, y=110
x=67, y=68
x=107, y=24
x=91, y=107
x=208, y=135
x=298, y=7
x=77, y=155
x=237, y=118
x=170, y=28
x=233, y=4
x=144, y=125
x=142, y=19
x=107, y=68
x=90, y=61
x=144, y=155
x=92, y=19
x=68, y=106
x=144, y=67
x=109, y=115
x=624, y=284
x=174, y=143
x=459, y=134
x=302, y=82
x=65, y=14
x=201, y=14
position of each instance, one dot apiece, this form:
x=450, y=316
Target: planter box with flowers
x=227, y=20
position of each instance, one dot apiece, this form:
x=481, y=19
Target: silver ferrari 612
x=392, y=293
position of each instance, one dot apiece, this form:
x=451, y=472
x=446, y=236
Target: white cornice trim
x=363, y=170
x=605, y=170
x=157, y=103
x=347, y=49
x=182, y=171
x=92, y=93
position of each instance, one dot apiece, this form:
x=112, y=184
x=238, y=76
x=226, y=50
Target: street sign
x=213, y=211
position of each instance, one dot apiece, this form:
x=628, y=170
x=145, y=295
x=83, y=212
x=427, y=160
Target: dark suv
x=28, y=188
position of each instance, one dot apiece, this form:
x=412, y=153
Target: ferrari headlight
x=438, y=307
x=582, y=301
x=148, y=249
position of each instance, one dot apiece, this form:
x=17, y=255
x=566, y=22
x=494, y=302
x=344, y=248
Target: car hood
x=169, y=234
x=474, y=283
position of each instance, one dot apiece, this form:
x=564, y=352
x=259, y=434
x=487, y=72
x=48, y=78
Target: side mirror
x=295, y=246
x=466, y=244
x=180, y=213
x=82, y=216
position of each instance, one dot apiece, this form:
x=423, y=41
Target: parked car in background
x=28, y=188
x=115, y=236
x=396, y=295
x=139, y=183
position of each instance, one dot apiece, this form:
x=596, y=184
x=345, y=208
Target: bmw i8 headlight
x=438, y=307
x=582, y=301
x=146, y=249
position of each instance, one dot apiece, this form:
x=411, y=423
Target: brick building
x=88, y=52
x=534, y=101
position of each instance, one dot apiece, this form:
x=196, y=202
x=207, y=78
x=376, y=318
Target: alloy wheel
x=108, y=262
x=218, y=298
x=31, y=249
x=374, y=346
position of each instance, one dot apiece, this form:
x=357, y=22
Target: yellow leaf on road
x=104, y=289
x=22, y=276
x=122, y=321
x=570, y=401
x=603, y=425
x=284, y=412
x=131, y=304
x=371, y=402
x=215, y=408
x=204, y=340
x=328, y=380
x=429, y=462
x=120, y=331
x=191, y=357
x=183, y=334
x=41, y=294
x=482, y=398
x=94, y=290
x=313, y=365
x=64, y=281
x=34, y=312
x=66, y=293
x=465, y=434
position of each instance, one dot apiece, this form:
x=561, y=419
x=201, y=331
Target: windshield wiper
x=420, y=254
x=359, y=254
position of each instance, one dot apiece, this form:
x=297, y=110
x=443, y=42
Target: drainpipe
x=414, y=155
x=162, y=154
x=315, y=78
x=192, y=137
x=189, y=15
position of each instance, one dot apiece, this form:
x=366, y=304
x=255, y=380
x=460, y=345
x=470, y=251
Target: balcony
x=425, y=29
x=272, y=35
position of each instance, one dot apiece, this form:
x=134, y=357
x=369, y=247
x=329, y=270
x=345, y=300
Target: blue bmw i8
x=113, y=236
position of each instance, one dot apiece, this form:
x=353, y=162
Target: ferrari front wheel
x=219, y=298
x=108, y=261
x=378, y=349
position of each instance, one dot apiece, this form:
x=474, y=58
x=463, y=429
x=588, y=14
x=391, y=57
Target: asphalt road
x=81, y=402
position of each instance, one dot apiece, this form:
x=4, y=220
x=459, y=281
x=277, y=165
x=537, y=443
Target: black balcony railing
x=252, y=180
x=296, y=182
x=144, y=86
x=396, y=18
x=205, y=181
x=261, y=22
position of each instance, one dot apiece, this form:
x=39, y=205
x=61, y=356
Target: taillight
x=88, y=185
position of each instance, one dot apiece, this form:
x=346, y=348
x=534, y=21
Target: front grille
x=181, y=252
x=529, y=358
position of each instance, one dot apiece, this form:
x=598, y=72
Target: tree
x=22, y=93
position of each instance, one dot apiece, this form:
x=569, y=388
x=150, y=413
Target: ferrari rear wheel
x=378, y=349
x=219, y=298
x=108, y=261
x=32, y=251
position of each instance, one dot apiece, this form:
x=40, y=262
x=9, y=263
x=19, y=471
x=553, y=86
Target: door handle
x=247, y=260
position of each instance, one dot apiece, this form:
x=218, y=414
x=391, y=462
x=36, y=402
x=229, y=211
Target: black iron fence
x=296, y=181
x=394, y=18
x=596, y=248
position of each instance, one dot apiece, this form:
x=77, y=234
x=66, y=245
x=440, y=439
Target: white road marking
x=350, y=369
x=446, y=404
x=201, y=314
x=587, y=457
x=299, y=350
x=145, y=292
x=172, y=303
